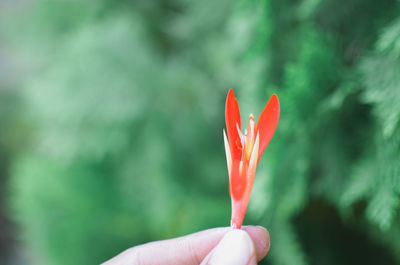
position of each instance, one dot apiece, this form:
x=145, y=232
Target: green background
x=111, y=118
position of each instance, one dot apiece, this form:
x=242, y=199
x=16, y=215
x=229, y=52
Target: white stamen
x=254, y=154
x=240, y=168
x=241, y=136
x=251, y=126
x=228, y=154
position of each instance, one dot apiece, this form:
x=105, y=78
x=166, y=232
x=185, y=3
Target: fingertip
x=261, y=239
x=235, y=248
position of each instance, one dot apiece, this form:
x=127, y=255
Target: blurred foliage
x=113, y=134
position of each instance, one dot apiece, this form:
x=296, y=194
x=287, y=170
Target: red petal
x=232, y=116
x=239, y=208
x=267, y=123
x=240, y=193
x=237, y=181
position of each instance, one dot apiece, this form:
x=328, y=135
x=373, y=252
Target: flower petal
x=239, y=208
x=242, y=191
x=238, y=180
x=267, y=123
x=232, y=117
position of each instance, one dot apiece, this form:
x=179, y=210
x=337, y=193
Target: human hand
x=218, y=246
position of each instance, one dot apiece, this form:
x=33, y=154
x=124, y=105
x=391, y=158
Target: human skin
x=217, y=246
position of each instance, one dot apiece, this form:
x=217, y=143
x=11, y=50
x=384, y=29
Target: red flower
x=243, y=151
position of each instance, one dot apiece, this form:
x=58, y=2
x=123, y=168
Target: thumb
x=235, y=248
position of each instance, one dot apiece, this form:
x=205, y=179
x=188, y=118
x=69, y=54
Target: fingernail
x=235, y=248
